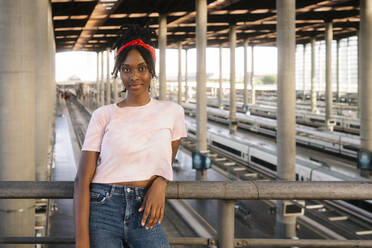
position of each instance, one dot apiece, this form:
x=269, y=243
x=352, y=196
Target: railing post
x=226, y=218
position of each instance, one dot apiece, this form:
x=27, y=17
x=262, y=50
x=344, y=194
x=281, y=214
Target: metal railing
x=228, y=192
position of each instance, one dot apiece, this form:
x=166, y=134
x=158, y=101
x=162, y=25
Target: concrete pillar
x=201, y=52
x=220, y=90
x=179, y=72
x=286, y=118
x=201, y=80
x=102, y=86
x=162, y=41
x=115, y=85
x=186, y=79
x=253, y=92
x=115, y=88
x=97, y=82
x=366, y=77
x=18, y=22
x=52, y=83
x=328, y=93
x=108, y=78
x=43, y=89
x=347, y=64
x=232, y=109
x=359, y=73
x=226, y=226
x=285, y=226
x=303, y=72
x=338, y=70
x=313, y=92
x=245, y=101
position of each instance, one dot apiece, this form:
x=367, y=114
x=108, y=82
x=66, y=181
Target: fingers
x=145, y=214
x=153, y=215
x=153, y=218
x=161, y=214
x=158, y=215
x=142, y=205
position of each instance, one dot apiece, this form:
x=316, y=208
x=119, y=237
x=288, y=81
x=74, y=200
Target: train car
x=336, y=142
x=264, y=158
x=303, y=115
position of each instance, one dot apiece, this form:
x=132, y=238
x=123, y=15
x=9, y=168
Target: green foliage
x=269, y=79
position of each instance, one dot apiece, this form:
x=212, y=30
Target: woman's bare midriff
x=139, y=184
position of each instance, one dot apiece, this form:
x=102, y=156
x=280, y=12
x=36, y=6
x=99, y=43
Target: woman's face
x=135, y=74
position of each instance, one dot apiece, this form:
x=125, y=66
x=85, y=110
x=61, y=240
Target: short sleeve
x=179, y=128
x=96, y=130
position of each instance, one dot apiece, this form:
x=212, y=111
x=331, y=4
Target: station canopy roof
x=92, y=25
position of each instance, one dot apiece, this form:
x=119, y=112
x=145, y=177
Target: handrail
x=208, y=242
x=238, y=190
x=227, y=191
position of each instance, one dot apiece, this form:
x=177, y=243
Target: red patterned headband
x=138, y=42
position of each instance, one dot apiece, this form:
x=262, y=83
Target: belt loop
x=112, y=189
x=137, y=191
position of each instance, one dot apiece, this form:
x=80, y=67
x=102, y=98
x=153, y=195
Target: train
x=336, y=142
x=341, y=123
x=264, y=158
x=267, y=109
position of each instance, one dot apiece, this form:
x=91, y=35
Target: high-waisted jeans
x=115, y=222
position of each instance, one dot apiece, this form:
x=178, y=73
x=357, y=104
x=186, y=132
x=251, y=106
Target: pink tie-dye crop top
x=135, y=141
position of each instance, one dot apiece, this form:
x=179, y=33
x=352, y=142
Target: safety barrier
x=227, y=192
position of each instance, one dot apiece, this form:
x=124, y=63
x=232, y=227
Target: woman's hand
x=153, y=203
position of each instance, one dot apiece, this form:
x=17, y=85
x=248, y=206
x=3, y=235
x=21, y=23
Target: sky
x=84, y=64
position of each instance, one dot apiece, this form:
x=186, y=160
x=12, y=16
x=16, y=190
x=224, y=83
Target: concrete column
x=253, y=92
x=201, y=80
x=102, y=86
x=328, y=93
x=43, y=89
x=179, y=73
x=226, y=227
x=313, y=92
x=286, y=118
x=359, y=74
x=97, y=82
x=220, y=90
x=108, y=82
x=303, y=71
x=186, y=79
x=338, y=69
x=232, y=109
x=285, y=226
x=52, y=83
x=245, y=101
x=162, y=53
x=347, y=64
x=201, y=52
x=18, y=22
x=115, y=86
x=366, y=77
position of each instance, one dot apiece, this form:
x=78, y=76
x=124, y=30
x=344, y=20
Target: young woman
x=129, y=147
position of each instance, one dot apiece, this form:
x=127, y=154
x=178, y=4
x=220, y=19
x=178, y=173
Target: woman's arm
x=84, y=176
x=154, y=202
x=175, y=145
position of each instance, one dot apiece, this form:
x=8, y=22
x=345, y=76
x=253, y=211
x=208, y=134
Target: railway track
x=329, y=215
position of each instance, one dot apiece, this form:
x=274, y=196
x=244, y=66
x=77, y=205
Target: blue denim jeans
x=115, y=222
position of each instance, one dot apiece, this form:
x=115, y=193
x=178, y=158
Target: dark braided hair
x=129, y=33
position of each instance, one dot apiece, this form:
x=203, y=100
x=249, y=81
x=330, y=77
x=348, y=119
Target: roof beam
x=99, y=15
x=216, y=5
